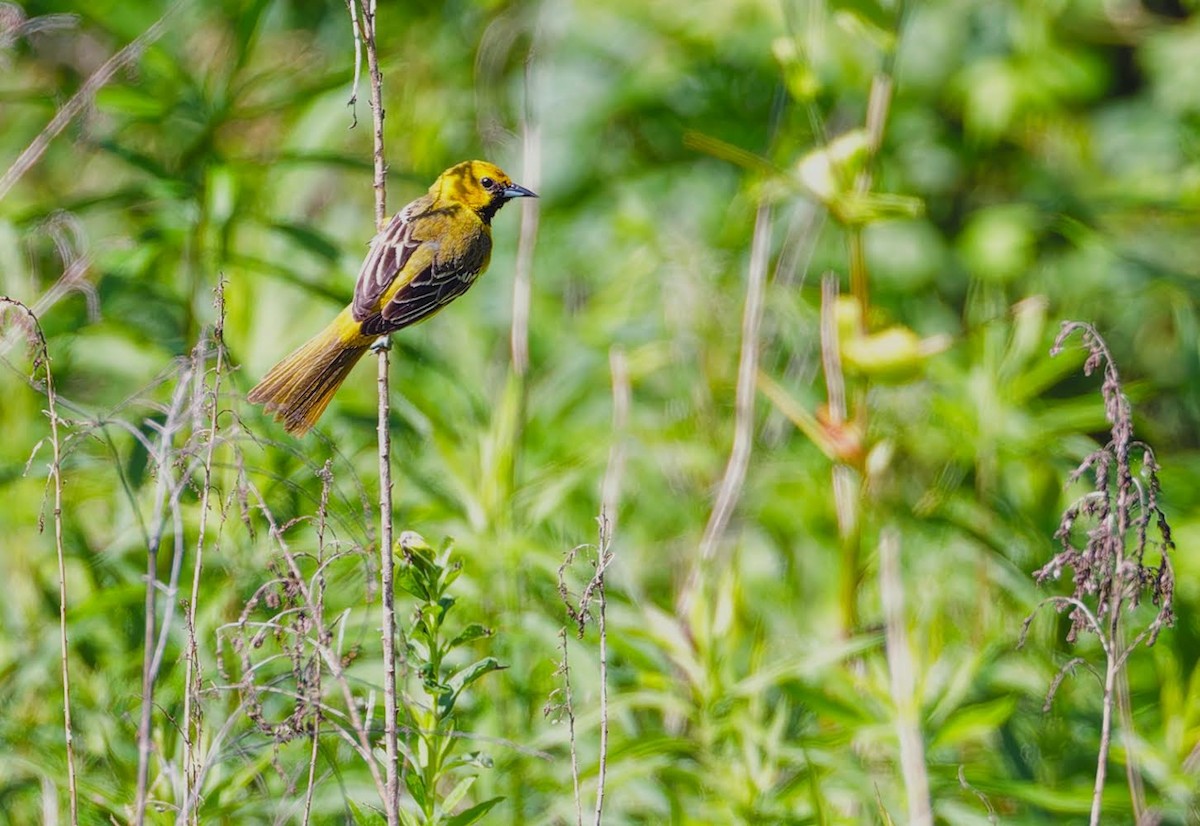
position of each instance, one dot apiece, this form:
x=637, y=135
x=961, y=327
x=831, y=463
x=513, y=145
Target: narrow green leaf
x=474, y=814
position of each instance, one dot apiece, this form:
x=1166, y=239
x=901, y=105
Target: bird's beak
x=515, y=191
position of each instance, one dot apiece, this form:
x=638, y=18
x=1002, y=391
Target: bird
x=430, y=253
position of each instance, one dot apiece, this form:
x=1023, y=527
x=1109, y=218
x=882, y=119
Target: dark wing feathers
x=390, y=251
x=426, y=291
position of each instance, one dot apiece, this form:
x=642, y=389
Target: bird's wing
x=413, y=270
x=390, y=253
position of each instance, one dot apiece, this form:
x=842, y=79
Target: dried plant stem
x=1110, y=569
x=743, y=428
x=80, y=101
x=56, y=469
x=605, y=556
x=367, y=26
x=1133, y=774
x=366, y=22
x=569, y=707
x=144, y=733
x=326, y=474
x=166, y=496
x=192, y=678
x=333, y=662
x=1111, y=666
x=386, y=571
x=903, y=680
x=42, y=355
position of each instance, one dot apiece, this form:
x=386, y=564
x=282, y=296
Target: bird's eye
x=488, y=183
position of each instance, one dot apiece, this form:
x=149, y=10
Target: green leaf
x=127, y=100
x=416, y=787
x=455, y=795
x=467, y=676
x=974, y=723
x=473, y=814
x=474, y=631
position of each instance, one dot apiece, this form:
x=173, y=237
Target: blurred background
x=1039, y=162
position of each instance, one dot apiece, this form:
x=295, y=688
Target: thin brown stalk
x=581, y=613
x=568, y=707
x=56, y=469
x=319, y=621
x=333, y=662
x=42, y=357
x=81, y=100
x=1133, y=774
x=1111, y=669
x=903, y=680
x=367, y=28
x=166, y=497
x=743, y=428
x=602, y=627
x=192, y=673
x=386, y=571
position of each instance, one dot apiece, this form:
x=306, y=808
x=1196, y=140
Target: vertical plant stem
x=743, y=428
x=147, y=705
x=903, y=680
x=56, y=471
x=367, y=21
x=846, y=490
x=1133, y=775
x=333, y=660
x=386, y=569
x=166, y=495
x=1112, y=664
x=192, y=676
x=377, y=113
x=569, y=707
x=601, y=620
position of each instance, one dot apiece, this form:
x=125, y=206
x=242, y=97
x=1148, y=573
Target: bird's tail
x=299, y=388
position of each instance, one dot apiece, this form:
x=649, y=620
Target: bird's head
x=479, y=186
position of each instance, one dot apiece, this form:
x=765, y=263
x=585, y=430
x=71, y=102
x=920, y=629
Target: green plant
x=436, y=677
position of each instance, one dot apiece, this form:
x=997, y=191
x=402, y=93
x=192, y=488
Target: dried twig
x=326, y=475
x=167, y=492
x=605, y=556
x=366, y=19
x=81, y=100
x=192, y=677
x=319, y=638
x=743, y=428
x=580, y=611
x=903, y=680
x=41, y=358
x=1110, y=569
x=567, y=706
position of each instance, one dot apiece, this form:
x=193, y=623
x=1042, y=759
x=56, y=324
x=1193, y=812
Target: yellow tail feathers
x=299, y=388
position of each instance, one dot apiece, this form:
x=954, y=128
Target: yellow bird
x=429, y=254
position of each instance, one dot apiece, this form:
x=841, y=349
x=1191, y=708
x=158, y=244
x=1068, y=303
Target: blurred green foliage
x=1054, y=150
